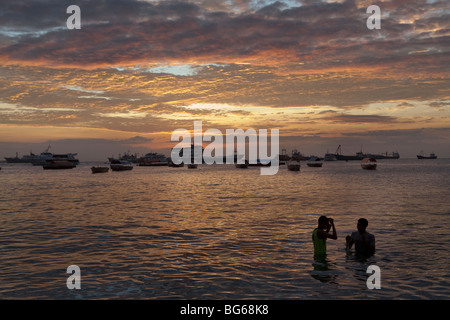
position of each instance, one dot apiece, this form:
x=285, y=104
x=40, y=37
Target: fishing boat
x=431, y=156
x=99, y=169
x=293, y=165
x=121, y=165
x=52, y=164
x=314, y=162
x=369, y=163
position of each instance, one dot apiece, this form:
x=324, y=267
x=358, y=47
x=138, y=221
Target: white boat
x=99, y=169
x=153, y=159
x=51, y=164
x=293, y=165
x=369, y=163
x=314, y=162
x=117, y=165
x=47, y=156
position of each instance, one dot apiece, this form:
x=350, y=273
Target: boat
x=51, y=164
x=121, y=165
x=369, y=163
x=431, y=156
x=99, y=169
x=25, y=159
x=314, y=162
x=340, y=156
x=329, y=157
x=394, y=155
x=43, y=157
x=153, y=159
x=297, y=155
x=283, y=158
x=192, y=166
x=293, y=165
x=133, y=158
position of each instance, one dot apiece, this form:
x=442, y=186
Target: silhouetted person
x=321, y=234
x=363, y=240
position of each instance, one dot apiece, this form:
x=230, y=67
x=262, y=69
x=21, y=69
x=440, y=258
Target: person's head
x=362, y=225
x=323, y=222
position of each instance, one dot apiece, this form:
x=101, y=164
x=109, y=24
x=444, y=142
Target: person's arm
x=334, y=235
x=349, y=242
x=325, y=233
x=372, y=243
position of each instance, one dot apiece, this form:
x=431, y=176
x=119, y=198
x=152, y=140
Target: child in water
x=321, y=234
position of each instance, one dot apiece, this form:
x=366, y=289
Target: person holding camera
x=321, y=234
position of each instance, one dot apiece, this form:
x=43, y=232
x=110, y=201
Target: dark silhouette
x=321, y=234
x=363, y=240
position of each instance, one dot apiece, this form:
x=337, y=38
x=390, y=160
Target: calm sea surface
x=218, y=232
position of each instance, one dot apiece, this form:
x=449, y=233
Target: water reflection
x=324, y=270
x=357, y=264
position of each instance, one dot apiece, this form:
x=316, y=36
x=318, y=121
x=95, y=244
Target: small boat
x=121, y=165
x=431, y=156
x=314, y=162
x=58, y=165
x=192, y=166
x=293, y=165
x=99, y=169
x=369, y=164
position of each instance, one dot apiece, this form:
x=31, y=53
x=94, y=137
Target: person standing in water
x=363, y=240
x=321, y=234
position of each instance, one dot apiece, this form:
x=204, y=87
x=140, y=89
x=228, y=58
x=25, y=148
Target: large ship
x=339, y=156
x=25, y=159
x=133, y=158
x=431, y=156
x=394, y=155
x=359, y=155
x=153, y=159
x=43, y=157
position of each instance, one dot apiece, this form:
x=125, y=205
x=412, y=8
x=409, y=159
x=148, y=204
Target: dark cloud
x=347, y=118
x=318, y=34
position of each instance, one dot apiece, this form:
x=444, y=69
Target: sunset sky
x=138, y=70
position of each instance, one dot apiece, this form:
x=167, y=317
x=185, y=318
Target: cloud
x=351, y=118
x=319, y=35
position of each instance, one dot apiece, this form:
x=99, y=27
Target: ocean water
x=218, y=232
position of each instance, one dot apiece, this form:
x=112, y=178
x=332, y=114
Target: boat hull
x=58, y=165
x=99, y=169
x=121, y=167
